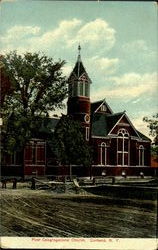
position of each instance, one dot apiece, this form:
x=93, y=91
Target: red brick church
x=119, y=148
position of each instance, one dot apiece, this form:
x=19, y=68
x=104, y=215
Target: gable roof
x=113, y=119
x=143, y=137
x=96, y=105
x=48, y=125
x=103, y=123
x=99, y=125
x=45, y=127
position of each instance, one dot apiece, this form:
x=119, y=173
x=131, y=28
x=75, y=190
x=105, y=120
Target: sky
x=118, y=46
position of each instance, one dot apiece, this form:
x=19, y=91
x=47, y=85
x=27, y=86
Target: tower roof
x=79, y=68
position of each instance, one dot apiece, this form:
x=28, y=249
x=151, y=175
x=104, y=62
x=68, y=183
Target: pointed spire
x=79, y=53
x=79, y=59
x=79, y=49
x=79, y=69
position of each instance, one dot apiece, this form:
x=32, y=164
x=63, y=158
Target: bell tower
x=78, y=105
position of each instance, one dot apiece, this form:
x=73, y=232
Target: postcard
x=79, y=166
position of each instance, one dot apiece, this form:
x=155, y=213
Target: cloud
x=18, y=32
x=138, y=54
x=140, y=125
x=135, y=45
x=103, y=65
x=17, y=38
x=67, y=70
x=57, y=36
x=135, y=79
x=136, y=100
x=130, y=85
x=95, y=35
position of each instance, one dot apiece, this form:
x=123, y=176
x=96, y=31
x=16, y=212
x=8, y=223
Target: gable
x=72, y=78
x=101, y=107
x=84, y=77
x=124, y=122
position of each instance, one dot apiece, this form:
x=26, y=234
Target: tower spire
x=79, y=53
x=79, y=59
x=79, y=49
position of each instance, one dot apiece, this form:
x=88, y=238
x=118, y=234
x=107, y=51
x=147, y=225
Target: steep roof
x=48, y=125
x=96, y=105
x=113, y=119
x=103, y=123
x=143, y=137
x=79, y=69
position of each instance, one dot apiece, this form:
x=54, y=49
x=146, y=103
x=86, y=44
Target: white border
x=79, y=243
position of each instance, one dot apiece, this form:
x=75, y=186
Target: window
x=103, y=107
x=141, y=155
x=75, y=89
x=123, y=147
x=81, y=89
x=35, y=153
x=87, y=133
x=103, y=154
x=87, y=92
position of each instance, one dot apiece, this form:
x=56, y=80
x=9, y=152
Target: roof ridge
x=98, y=101
x=116, y=113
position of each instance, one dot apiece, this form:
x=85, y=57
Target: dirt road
x=40, y=213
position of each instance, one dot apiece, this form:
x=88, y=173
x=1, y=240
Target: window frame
x=103, y=149
x=123, y=135
x=141, y=155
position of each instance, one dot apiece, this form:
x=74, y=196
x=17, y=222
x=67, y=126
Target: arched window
x=123, y=147
x=141, y=155
x=103, y=154
x=75, y=88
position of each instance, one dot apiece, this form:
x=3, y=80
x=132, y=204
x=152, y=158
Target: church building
x=119, y=149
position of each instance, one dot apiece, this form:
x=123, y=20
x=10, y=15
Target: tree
x=39, y=87
x=69, y=143
x=153, y=127
x=5, y=83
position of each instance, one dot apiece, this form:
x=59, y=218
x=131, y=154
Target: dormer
x=101, y=107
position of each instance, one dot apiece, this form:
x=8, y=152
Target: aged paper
x=118, y=42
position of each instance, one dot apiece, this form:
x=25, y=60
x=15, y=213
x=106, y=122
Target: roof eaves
x=144, y=137
x=132, y=126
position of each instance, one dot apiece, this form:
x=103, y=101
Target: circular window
x=87, y=118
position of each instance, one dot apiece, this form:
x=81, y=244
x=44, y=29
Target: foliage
x=69, y=143
x=153, y=126
x=39, y=87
